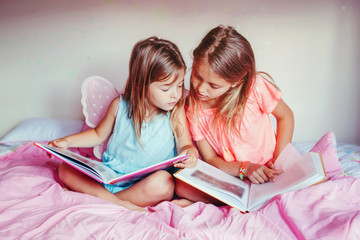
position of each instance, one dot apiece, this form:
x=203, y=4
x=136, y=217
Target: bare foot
x=182, y=202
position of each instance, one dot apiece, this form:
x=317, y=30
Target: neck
x=211, y=103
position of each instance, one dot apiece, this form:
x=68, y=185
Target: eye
x=214, y=86
x=197, y=75
x=164, y=89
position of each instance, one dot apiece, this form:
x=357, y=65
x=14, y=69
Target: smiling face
x=208, y=86
x=166, y=94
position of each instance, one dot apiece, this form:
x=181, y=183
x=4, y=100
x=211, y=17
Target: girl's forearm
x=88, y=138
x=232, y=168
x=285, y=129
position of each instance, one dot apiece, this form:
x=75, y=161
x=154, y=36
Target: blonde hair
x=152, y=60
x=231, y=57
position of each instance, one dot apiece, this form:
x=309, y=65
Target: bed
x=34, y=204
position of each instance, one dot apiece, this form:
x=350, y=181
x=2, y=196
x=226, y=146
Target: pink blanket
x=34, y=206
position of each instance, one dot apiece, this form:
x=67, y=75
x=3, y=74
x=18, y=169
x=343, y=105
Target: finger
x=277, y=171
x=257, y=176
x=253, y=180
x=180, y=165
x=271, y=165
x=272, y=173
x=263, y=176
x=190, y=162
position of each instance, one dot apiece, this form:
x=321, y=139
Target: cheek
x=220, y=92
x=179, y=92
x=159, y=96
x=155, y=97
x=194, y=82
x=215, y=93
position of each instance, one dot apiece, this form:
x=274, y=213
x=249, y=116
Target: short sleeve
x=193, y=125
x=266, y=94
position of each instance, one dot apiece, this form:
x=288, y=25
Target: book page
x=211, y=180
x=92, y=168
x=148, y=170
x=102, y=173
x=297, y=170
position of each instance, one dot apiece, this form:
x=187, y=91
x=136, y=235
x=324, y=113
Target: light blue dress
x=124, y=154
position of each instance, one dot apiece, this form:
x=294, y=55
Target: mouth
x=200, y=96
x=172, y=103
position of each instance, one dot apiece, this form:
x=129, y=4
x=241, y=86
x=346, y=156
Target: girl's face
x=166, y=94
x=208, y=85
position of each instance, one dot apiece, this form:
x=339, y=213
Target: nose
x=200, y=88
x=175, y=93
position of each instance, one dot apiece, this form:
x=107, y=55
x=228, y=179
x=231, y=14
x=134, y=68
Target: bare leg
x=182, y=202
x=150, y=191
x=79, y=182
x=189, y=194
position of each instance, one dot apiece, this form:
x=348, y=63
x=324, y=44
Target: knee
x=180, y=188
x=162, y=185
x=64, y=171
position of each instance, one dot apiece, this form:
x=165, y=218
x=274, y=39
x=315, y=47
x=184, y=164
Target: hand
x=258, y=173
x=60, y=143
x=270, y=164
x=191, y=161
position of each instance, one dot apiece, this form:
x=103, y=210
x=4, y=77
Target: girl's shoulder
x=114, y=106
x=264, y=92
x=265, y=80
x=116, y=101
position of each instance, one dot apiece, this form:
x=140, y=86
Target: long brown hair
x=231, y=57
x=152, y=60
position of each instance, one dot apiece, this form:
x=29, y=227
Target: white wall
x=311, y=49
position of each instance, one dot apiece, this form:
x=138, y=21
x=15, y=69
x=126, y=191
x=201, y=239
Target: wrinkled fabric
x=34, y=206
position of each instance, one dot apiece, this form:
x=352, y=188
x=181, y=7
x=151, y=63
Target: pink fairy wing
x=97, y=94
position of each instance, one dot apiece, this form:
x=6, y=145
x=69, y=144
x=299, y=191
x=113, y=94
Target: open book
x=99, y=171
x=300, y=171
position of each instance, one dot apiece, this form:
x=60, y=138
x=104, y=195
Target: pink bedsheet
x=34, y=206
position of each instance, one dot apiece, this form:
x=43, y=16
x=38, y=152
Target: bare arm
x=257, y=173
x=184, y=143
x=285, y=126
x=92, y=137
x=209, y=155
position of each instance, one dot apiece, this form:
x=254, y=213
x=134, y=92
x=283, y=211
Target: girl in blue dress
x=147, y=125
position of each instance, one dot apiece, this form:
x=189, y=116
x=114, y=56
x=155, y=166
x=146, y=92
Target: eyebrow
x=198, y=74
x=169, y=84
x=209, y=82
